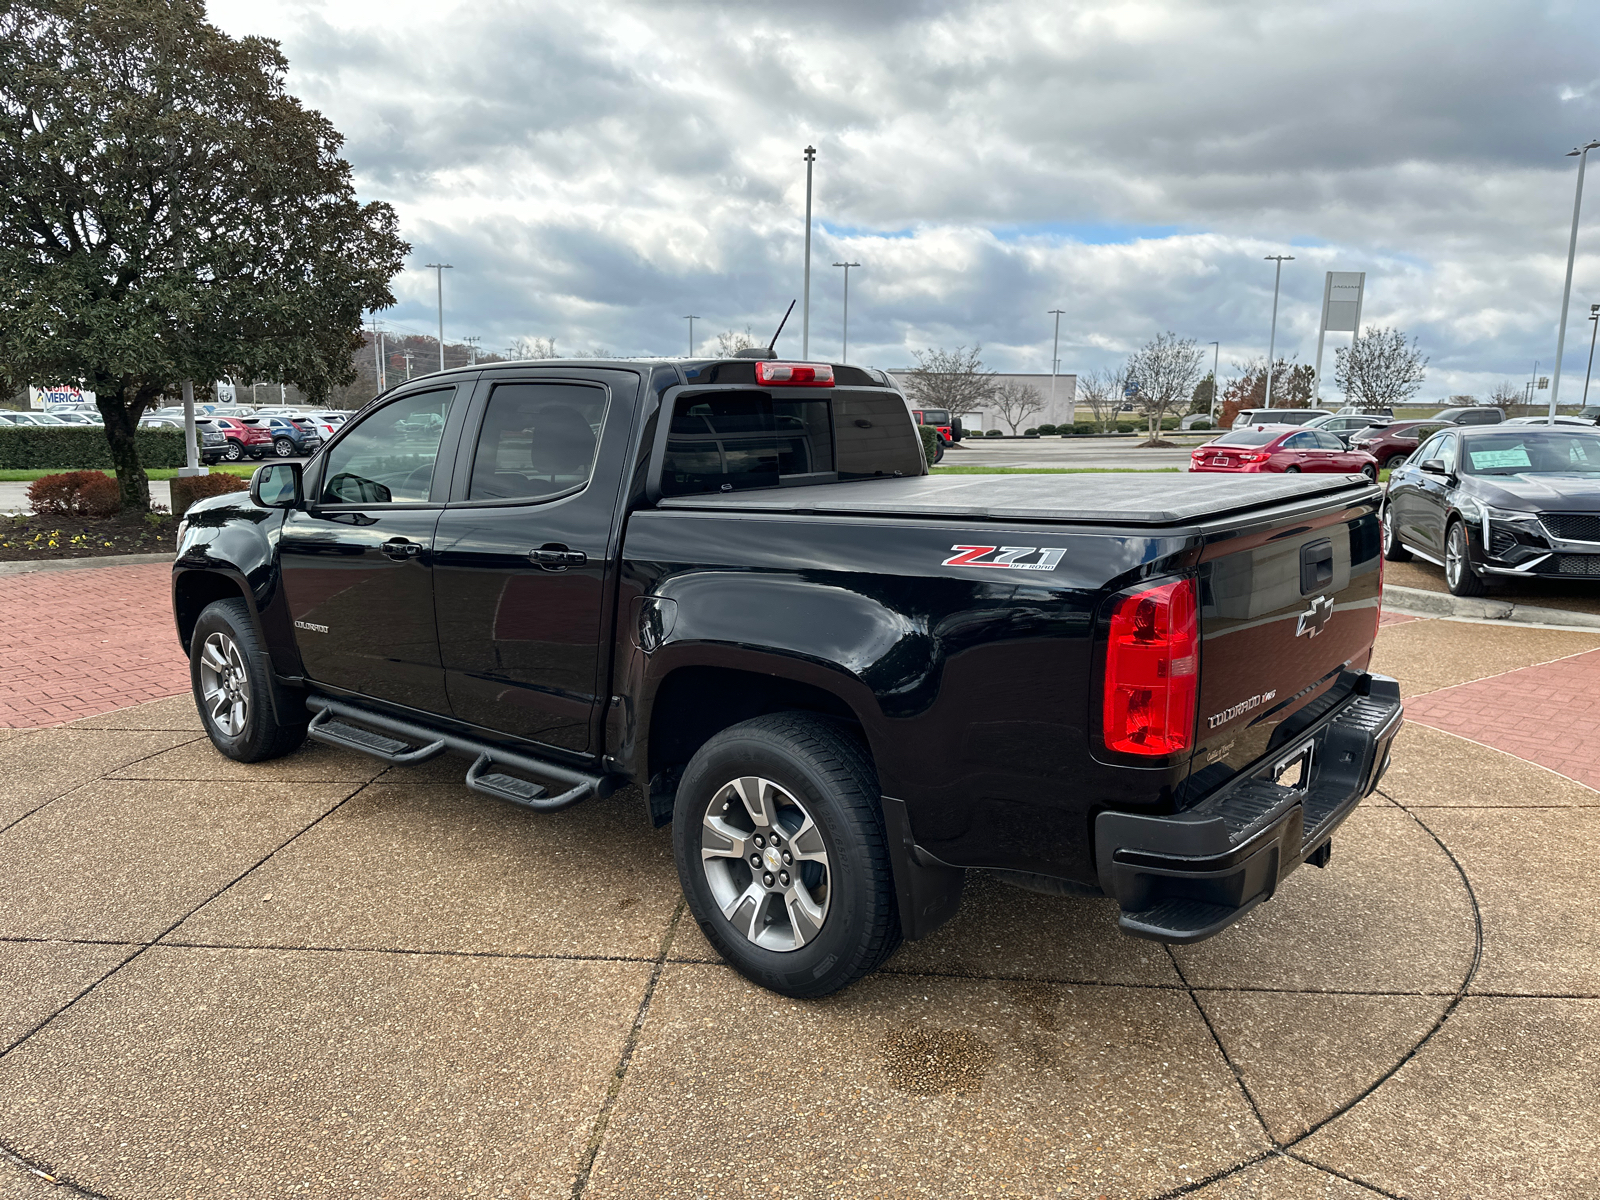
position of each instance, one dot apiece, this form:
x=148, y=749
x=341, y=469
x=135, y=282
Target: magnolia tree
x=171, y=212
x=1163, y=373
x=1380, y=370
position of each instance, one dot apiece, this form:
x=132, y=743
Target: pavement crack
x=62, y=795
x=1238, y=1072
x=603, y=1118
x=38, y=1171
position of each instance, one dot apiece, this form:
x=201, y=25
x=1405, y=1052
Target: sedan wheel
x=1458, y=571
x=1393, y=550
x=1370, y=471
x=283, y=448
x=1291, y=470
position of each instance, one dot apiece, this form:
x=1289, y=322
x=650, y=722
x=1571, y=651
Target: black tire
x=1459, y=576
x=1393, y=549
x=234, y=452
x=257, y=453
x=938, y=449
x=1371, y=472
x=1291, y=470
x=1395, y=461
x=260, y=732
x=284, y=447
x=830, y=780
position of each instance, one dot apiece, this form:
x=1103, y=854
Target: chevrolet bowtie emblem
x=1315, y=618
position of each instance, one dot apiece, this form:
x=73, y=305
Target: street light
x=1055, y=363
x=1216, y=360
x=691, y=321
x=844, y=355
x=1582, y=155
x=1272, y=340
x=1594, y=322
x=439, y=269
x=805, y=307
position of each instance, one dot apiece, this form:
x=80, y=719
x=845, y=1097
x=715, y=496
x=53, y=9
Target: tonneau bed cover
x=1144, y=499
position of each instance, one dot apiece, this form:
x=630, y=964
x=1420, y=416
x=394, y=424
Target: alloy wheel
x=766, y=864
x=235, y=452
x=283, y=447
x=1455, y=556
x=225, y=684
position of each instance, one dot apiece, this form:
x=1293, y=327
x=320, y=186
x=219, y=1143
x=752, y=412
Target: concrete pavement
x=322, y=977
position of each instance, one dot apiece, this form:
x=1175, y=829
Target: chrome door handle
x=556, y=557
x=400, y=549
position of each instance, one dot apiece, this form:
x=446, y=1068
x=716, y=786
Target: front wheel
x=1458, y=572
x=1371, y=472
x=231, y=689
x=782, y=854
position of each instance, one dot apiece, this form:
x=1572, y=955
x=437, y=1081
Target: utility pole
x=1272, y=340
x=691, y=320
x=472, y=348
x=1055, y=363
x=1594, y=326
x=1533, y=381
x=439, y=269
x=844, y=354
x=1581, y=153
x=408, y=364
x=805, y=305
x=1216, y=362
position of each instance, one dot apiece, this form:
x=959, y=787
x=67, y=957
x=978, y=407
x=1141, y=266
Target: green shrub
x=74, y=494
x=1046, y=430
x=1169, y=422
x=187, y=489
x=1124, y=427
x=930, y=442
x=993, y=433
x=1084, y=427
x=1030, y=432
x=1201, y=425
x=81, y=448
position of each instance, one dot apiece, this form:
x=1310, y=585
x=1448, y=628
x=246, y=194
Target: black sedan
x=1498, y=500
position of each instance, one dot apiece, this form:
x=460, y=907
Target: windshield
x=1248, y=437
x=1533, y=452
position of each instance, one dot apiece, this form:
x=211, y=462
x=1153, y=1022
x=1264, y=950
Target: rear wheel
x=781, y=850
x=283, y=447
x=1458, y=572
x=234, y=451
x=1291, y=470
x=1395, y=462
x=231, y=689
x=1392, y=548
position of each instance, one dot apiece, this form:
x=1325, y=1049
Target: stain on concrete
x=924, y=1061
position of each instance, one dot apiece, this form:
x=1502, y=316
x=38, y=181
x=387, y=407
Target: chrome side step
x=413, y=743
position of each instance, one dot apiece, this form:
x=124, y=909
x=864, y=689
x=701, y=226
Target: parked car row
x=226, y=432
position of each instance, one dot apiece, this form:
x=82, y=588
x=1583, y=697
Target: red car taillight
x=1152, y=671
x=1254, y=457
x=794, y=374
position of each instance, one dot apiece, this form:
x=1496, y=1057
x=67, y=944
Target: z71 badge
x=1006, y=557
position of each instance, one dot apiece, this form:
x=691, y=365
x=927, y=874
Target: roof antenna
x=769, y=352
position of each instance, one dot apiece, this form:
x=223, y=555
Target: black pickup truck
x=843, y=681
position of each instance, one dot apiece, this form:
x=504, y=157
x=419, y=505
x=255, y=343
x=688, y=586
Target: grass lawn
x=243, y=470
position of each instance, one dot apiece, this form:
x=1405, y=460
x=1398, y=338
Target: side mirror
x=276, y=485
x=1433, y=466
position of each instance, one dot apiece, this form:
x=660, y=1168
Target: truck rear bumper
x=1183, y=878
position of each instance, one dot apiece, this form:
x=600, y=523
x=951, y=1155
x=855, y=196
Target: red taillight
x=1254, y=457
x=794, y=374
x=1152, y=671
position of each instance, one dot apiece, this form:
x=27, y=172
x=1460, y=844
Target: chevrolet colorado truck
x=843, y=681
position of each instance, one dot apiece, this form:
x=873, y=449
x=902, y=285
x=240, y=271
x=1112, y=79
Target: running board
x=413, y=743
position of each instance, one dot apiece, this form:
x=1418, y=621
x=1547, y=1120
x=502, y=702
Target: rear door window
x=537, y=441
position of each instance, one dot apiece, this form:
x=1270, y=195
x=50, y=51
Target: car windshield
x=1533, y=452
x=1248, y=437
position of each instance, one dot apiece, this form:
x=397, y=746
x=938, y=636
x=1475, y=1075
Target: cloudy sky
x=595, y=170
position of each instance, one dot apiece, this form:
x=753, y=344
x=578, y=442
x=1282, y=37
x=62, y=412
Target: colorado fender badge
x=1005, y=557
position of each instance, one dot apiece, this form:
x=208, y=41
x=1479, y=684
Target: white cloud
x=597, y=169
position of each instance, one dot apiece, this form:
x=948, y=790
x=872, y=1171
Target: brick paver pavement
x=84, y=642
x=1548, y=714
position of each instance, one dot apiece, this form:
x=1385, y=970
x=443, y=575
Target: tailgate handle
x=1316, y=566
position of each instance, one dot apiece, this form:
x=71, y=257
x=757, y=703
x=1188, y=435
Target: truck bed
x=1153, y=499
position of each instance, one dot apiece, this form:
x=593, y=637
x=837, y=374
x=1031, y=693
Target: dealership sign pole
x=1342, y=292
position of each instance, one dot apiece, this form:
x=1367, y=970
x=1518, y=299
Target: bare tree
x=1164, y=371
x=536, y=347
x=953, y=380
x=1015, y=402
x=1380, y=370
x=731, y=341
x=1506, y=394
x=1101, y=390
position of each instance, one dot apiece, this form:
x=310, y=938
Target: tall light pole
x=1216, y=362
x=439, y=269
x=1272, y=340
x=691, y=321
x=1594, y=327
x=1581, y=153
x=844, y=354
x=805, y=306
x=1055, y=362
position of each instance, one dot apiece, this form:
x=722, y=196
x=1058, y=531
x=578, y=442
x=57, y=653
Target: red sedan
x=1285, y=448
